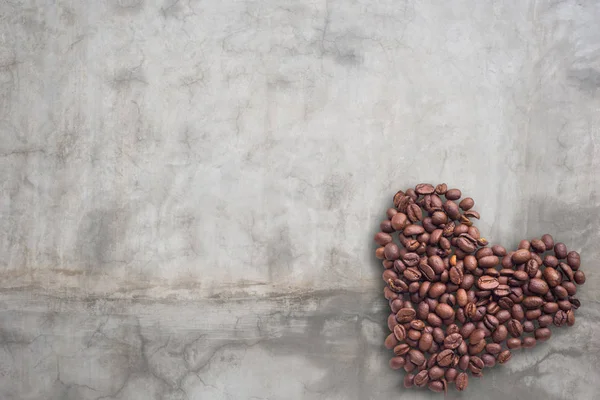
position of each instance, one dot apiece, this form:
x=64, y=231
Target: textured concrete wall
x=189, y=189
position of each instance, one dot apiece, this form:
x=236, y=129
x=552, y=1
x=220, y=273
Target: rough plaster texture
x=189, y=189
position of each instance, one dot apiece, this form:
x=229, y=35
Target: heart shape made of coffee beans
x=457, y=304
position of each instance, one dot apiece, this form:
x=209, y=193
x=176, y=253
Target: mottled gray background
x=189, y=188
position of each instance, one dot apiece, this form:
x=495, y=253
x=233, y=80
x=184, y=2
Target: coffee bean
x=445, y=357
x=476, y=364
x=436, y=373
x=453, y=340
x=500, y=334
x=399, y=332
x=382, y=238
x=466, y=245
x=532, y=267
x=491, y=322
x=441, y=189
x=570, y=318
x=409, y=380
x=560, y=250
x=574, y=260
x=456, y=275
x=451, y=209
x=566, y=269
x=552, y=277
x=416, y=357
x=487, y=282
x=521, y=256
x=504, y=356
x=533, y=314
x=399, y=221
x=476, y=336
x=528, y=342
x=397, y=362
x=488, y=360
x=466, y=204
x=538, y=286
x=412, y=230
x=524, y=245
x=405, y=315
x=424, y=188
x=542, y=334
x=560, y=292
x=528, y=327
x=538, y=245
x=532, y=302
x=521, y=275
x=570, y=288
x=502, y=290
x=493, y=348
x=436, y=290
x=444, y=311
x=436, y=386
x=513, y=343
x=434, y=320
x=579, y=277
x=422, y=378
x=436, y=263
x=462, y=381
x=390, y=341
x=506, y=303
x=425, y=342
x=515, y=328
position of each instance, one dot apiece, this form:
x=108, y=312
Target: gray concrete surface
x=190, y=188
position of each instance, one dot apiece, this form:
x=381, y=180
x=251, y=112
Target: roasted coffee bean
x=532, y=267
x=521, y=275
x=436, y=386
x=542, y=334
x=504, y=356
x=488, y=360
x=528, y=342
x=444, y=311
x=570, y=318
x=488, y=261
x=406, y=315
x=532, y=302
x=552, y=277
x=502, y=290
x=441, y=189
x=531, y=315
x=528, y=327
x=451, y=209
x=412, y=274
x=397, y=362
x=462, y=381
x=436, y=290
x=386, y=226
x=538, y=245
x=416, y=357
x=437, y=264
x=503, y=316
x=476, y=364
x=545, y=320
x=434, y=320
x=422, y=378
x=383, y=238
x=425, y=342
x=461, y=297
x=412, y=230
x=574, y=260
x=399, y=221
x=538, y=286
x=390, y=341
x=491, y=322
x=400, y=332
x=524, y=245
x=487, y=282
x=413, y=334
x=424, y=188
x=456, y=275
x=506, y=303
x=560, y=292
x=466, y=245
x=401, y=349
x=569, y=287
x=515, y=328
x=521, y=256
x=466, y=204
x=493, y=348
x=500, y=334
x=567, y=271
x=452, y=341
x=560, y=250
x=426, y=271
x=513, y=343
x=445, y=358
x=436, y=372
x=422, y=310
x=476, y=336
x=579, y=277
x=409, y=380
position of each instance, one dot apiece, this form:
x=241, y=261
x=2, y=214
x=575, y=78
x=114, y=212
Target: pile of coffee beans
x=458, y=304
